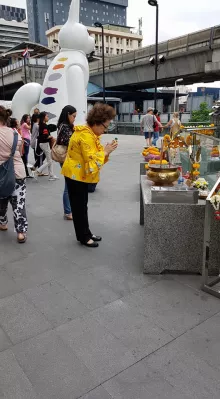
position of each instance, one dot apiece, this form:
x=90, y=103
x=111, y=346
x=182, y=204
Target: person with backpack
x=12, y=178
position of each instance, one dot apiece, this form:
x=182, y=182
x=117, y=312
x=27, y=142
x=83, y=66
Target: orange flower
x=196, y=165
x=196, y=173
x=189, y=139
x=167, y=137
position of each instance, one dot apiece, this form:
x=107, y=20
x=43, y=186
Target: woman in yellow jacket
x=85, y=158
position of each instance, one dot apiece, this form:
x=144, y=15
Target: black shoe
x=96, y=238
x=92, y=245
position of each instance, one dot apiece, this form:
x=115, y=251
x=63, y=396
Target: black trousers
x=78, y=196
x=25, y=155
x=91, y=187
x=39, y=156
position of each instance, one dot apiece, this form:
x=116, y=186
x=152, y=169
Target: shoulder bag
x=59, y=152
x=7, y=172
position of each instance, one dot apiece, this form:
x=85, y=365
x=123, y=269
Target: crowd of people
x=151, y=126
x=81, y=158
x=78, y=151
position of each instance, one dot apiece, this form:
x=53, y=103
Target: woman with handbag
x=65, y=128
x=44, y=140
x=10, y=138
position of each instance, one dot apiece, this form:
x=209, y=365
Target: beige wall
x=116, y=42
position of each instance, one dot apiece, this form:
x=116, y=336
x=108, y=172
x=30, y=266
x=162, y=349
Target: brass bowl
x=164, y=175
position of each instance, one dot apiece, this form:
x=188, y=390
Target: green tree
x=202, y=115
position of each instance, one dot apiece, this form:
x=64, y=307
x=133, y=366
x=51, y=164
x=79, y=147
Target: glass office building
x=44, y=14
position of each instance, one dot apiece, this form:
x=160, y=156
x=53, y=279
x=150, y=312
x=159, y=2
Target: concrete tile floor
x=80, y=323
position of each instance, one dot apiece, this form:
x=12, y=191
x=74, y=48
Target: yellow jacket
x=85, y=156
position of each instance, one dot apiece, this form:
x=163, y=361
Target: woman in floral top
x=85, y=158
x=65, y=128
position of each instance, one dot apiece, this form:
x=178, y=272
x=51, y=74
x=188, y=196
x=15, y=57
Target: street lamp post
x=176, y=81
x=99, y=25
x=25, y=71
x=3, y=85
x=154, y=3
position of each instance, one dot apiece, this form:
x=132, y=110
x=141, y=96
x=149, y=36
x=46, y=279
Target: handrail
x=41, y=62
x=182, y=44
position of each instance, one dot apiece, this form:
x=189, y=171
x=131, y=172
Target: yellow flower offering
x=196, y=165
x=158, y=162
x=167, y=137
x=196, y=173
x=189, y=140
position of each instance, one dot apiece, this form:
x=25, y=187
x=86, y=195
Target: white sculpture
x=67, y=76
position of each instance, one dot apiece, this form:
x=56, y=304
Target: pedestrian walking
x=11, y=144
x=39, y=155
x=26, y=136
x=156, y=134
x=147, y=125
x=44, y=140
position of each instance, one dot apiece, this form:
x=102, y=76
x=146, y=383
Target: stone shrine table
x=173, y=235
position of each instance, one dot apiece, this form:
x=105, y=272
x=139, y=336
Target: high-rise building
x=12, y=33
x=45, y=14
x=12, y=13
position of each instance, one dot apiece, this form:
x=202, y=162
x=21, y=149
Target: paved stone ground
x=82, y=323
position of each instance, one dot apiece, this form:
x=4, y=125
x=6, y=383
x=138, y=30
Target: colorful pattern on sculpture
x=53, y=90
x=50, y=90
x=58, y=66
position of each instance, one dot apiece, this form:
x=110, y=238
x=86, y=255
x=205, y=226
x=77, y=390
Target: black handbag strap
x=14, y=145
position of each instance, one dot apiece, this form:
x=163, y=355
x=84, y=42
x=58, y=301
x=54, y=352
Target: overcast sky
x=176, y=17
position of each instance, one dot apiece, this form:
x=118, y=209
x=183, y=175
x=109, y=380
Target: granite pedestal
x=173, y=235
x=142, y=168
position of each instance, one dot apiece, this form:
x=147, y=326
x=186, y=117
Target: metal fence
x=134, y=129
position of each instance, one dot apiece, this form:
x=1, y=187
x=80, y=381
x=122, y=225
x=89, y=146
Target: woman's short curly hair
x=99, y=114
